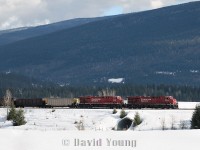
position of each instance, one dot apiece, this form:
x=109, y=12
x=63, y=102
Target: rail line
x=105, y=108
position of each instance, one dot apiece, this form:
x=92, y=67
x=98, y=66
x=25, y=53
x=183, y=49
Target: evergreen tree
x=19, y=118
x=137, y=120
x=195, y=123
x=122, y=113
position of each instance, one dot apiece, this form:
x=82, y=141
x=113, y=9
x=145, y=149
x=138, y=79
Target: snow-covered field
x=94, y=119
x=61, y=124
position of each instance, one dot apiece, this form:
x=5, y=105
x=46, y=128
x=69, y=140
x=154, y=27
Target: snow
x=8, y=72
x=165, y=73
x=194, y=71
x=99, y=119
x=188, y=105
x=103, y=120
x=54, y=128
x=116, y=80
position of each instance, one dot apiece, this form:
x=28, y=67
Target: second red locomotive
x=101, y=101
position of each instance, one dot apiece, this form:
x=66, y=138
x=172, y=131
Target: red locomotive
x=100, y=101
x=152, y=102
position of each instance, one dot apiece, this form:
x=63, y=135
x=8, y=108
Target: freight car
x=100, y=101
x=58, y=102
x=37, y=102
x=44, y=102
x=152, y=102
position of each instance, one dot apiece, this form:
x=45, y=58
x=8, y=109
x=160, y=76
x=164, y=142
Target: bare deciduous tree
x=183, y=125
x=107, y=92
x=7, y=100
x=163, y=124
x=173, y=123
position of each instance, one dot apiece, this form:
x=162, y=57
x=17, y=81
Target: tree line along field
x=181, y=93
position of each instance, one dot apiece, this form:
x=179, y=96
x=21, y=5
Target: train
x=131, y=102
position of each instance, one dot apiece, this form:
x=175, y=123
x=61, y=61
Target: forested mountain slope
x=156, y=46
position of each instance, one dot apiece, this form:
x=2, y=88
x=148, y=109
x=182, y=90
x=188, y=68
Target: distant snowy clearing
x=116, y=80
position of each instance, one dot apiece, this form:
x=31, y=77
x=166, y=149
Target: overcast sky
x=18, y=13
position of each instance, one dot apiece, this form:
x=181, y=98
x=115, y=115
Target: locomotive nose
x=175, y=101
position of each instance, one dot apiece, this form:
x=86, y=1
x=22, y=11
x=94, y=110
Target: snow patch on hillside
x=166, y=73
x=194, y=71
x=116, y=80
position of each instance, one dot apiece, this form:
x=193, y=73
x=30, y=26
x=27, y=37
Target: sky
x=22, y=13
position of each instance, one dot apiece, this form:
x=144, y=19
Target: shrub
x=19, y=118
x=195, y=122
x=12, y=112
x=122, y=113
x=183, y=125
x=80, y=125
x=114, y=111
x=137, y=120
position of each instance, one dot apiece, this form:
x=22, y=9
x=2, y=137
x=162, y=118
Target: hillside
x=13, y=35
x=12, y=80
x=157, y=46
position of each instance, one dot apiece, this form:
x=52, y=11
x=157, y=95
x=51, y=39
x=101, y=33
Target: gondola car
x=37, y=102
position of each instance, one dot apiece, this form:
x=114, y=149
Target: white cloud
x=156, y=3
x=10, y=22
x=16, y=13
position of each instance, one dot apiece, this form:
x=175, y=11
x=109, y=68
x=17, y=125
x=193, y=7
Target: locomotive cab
x=172, y=101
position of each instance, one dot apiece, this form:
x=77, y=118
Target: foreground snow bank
x=91, y=140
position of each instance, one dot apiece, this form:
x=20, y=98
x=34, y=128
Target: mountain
x=159, y=46
x=13, y=35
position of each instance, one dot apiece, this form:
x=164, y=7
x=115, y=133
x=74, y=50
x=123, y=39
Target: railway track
x=106, y=108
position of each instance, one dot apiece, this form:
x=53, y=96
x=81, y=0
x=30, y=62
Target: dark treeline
x=181, y=93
